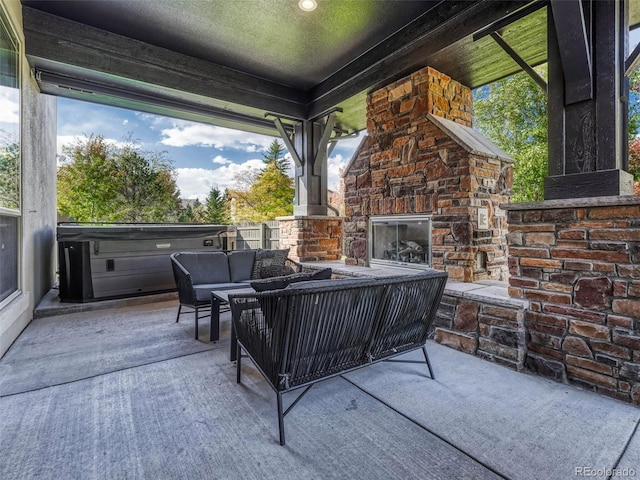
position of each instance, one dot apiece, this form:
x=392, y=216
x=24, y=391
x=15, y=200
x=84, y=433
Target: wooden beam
x=71, y=43
x=632, y=62
x=520, y=61
x=509, y=19
x=287, y=142
x=405, y=51
x=49, y=81
x=321, y=155
x=575, y=56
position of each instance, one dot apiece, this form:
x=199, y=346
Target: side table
x=218, y=299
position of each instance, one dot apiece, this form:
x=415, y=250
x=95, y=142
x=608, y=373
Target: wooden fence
x=256, y=235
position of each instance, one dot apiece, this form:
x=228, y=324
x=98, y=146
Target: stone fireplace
x=421, y=157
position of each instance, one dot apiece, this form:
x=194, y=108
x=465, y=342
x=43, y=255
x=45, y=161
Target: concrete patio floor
x=125, y=392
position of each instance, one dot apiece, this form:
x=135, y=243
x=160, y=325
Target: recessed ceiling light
x=308, y=5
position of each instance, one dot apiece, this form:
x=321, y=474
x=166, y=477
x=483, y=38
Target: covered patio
x=125, y=392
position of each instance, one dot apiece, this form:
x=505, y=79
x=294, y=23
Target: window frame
x=8, y=27
x=418, y=217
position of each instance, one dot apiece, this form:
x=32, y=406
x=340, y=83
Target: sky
x=203, y=156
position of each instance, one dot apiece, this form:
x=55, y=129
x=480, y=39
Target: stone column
x=311, y=238
x=310, y=234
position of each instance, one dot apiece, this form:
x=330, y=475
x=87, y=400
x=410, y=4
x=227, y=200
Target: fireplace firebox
x=400, y=240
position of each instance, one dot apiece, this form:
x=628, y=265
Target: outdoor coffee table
x=218, y=299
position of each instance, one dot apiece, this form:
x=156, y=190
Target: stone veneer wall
x=311, y=238
x=408, y=165
x=484, y=326
x=578, y=264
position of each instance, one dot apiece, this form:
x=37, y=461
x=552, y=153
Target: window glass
x=401, y=240
x=9, y=121
x=8, y=255
x=9, y=160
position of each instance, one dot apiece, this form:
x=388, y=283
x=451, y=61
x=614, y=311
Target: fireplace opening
x=400, y=240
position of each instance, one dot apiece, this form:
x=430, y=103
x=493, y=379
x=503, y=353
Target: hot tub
x=99, y=262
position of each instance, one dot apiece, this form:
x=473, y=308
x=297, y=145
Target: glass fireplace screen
x=400, y=239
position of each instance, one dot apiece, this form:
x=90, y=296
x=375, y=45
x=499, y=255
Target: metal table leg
x=214, y=329
x=233, y=353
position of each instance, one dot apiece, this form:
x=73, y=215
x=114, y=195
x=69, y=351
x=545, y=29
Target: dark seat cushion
x=278, y=283
x=241, y=264
x=330, y=284
x=203, y=290
x=205, y=267
x=269, y=263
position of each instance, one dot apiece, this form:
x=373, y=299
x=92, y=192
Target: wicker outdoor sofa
x=312, y=331
x=197, y=274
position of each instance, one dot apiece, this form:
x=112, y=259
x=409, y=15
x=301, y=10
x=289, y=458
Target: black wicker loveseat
x=311, y=331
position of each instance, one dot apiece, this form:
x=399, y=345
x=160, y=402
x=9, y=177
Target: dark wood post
x=311, y=177
x=587, y=112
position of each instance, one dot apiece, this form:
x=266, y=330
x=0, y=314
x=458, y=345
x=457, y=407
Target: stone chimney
x=421, y=156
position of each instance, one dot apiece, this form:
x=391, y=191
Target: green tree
x=198, y=212
x=634, y=106
x=634, y=125
x=9, y=172
x=102, y=182
x=186, y=215
x=261, y=195
x=275, y=156
x=216, y=209
x=513, y=113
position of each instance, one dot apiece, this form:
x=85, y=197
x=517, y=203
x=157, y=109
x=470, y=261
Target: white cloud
x=10, y=105
x=125, y=122
x=153, y=120
x=346, y=148
x=333, y=171
x=183, y=134
x=66, y=140
x=219, y=159
x=196, y=182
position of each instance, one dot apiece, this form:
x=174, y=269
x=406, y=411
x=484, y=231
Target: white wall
x=38, y=141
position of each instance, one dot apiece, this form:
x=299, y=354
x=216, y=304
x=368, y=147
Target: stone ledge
x=574, y=203
x=485, y=291
x=492, y=292
x=309, y=217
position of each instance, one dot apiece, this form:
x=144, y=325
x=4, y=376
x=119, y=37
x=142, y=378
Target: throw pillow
x=269, y=263
x=324, y=274
x=278, y=283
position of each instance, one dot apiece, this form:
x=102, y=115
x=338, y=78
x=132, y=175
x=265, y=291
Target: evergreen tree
x=186, y=215
x=216, y=209
x=275, y=156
